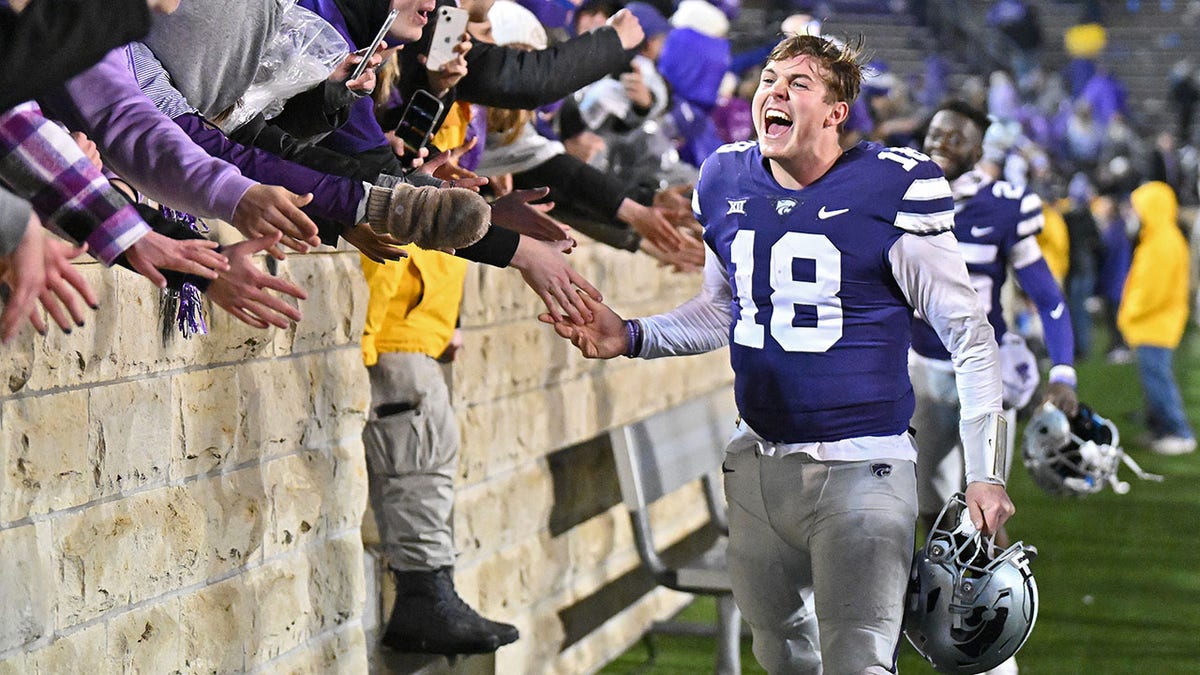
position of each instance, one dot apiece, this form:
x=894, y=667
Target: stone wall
x=545, y=542
x=196, y=506
x=193, y=506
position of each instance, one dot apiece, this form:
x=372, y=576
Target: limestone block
x=619, y=633
x=486, y=517
x=346, y=491
x=17, y=663
x=65, y=654
x=27, y=585
x=132, y=427
x=336, y=305
x=216, y=624
x=236, y=515
x=296, y=488
x=146, y=639
x=276, y=405
x=342, y=653
x=282, y=610
x=504, y=359
x=336, y=582
x=341, y=396
x=208, y=418
x=46, y=464
x=126, y=551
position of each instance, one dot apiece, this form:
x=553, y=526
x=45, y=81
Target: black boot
x=430, y=618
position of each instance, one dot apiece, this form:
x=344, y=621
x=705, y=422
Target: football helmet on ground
x=968, y=607
x=1076, y=456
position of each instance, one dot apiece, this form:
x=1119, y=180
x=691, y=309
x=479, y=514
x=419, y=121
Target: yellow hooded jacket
x=414, y=302
x=1154, y=305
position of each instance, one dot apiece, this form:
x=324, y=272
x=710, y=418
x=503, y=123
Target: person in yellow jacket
x=411, y=441
x=1153, y=314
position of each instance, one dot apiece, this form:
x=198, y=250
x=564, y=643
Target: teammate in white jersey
x=815, y=259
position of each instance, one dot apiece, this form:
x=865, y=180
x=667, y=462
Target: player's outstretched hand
x=242, y=290
x=989, y=505
x=268, y=208
x=1063, y=397
x=155, y=252
x=546, y=271
x=601, y=337
x=377, y=247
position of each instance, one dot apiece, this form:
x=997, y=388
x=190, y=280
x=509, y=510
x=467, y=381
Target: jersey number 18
x=787, y=291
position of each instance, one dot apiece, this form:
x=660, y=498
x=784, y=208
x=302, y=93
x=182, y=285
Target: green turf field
x=1118, y=575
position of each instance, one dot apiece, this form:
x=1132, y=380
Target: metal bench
x=655, y=457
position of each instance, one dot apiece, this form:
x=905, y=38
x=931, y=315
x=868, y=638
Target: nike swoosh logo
x=823, y=214
x=1057, y=312
x=981, y=231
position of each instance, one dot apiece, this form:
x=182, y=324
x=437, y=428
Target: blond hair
x=841, y=65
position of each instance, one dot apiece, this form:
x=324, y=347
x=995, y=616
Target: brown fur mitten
x=430, y=217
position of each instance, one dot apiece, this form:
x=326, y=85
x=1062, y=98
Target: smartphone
x=416, y=126
x=450, y=24
x=369, y=50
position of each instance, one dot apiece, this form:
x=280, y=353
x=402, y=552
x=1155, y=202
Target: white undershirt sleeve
x=933, y=277
x=698, y=325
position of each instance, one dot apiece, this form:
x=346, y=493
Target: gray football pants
x=819, y=556
x=411, y=440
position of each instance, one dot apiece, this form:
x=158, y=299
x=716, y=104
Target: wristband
x=1064, y=374
x=633, y=334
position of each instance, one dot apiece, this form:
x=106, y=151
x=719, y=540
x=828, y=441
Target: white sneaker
x=1173, y=445
x=1009, y=667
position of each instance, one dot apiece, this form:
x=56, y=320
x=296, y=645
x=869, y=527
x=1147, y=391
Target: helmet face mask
x=1074, y=457
x=969, y=607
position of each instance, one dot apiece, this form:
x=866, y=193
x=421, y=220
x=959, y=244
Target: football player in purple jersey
x=995, y=223
x=815, y=259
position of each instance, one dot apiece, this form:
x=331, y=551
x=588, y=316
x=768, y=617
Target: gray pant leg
x=862, y=548
x=411, y=441
x=939, y=457
x=770, y=579
x=819, y=556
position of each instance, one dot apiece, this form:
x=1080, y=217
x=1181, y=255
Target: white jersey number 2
x=787, y=291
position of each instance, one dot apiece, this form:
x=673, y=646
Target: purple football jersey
x=820, y=334
x=987, y=225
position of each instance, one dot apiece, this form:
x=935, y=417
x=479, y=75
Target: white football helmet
x=1075, y=456
x=968, y=607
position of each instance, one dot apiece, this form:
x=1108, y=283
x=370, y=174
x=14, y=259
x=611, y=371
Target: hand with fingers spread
x=652, y=225
x=546, y=271
x=602, y=336
x=242, y=289
x=41, y=269
x=688, y=259
x=269, y=208
x=24, y=272
x=514, y=211
x=377, y=247
x=989, y=505
x=676, y=206
x=154, y=252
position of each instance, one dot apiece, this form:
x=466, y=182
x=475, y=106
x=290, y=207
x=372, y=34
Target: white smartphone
x=368, y=50
x=451, y=23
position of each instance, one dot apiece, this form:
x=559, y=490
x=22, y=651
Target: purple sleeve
x=44, y=165
x=1039, y=284
x=334, y=197
x=144, y=146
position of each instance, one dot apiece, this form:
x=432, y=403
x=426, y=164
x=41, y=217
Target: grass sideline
x=1118, y=575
